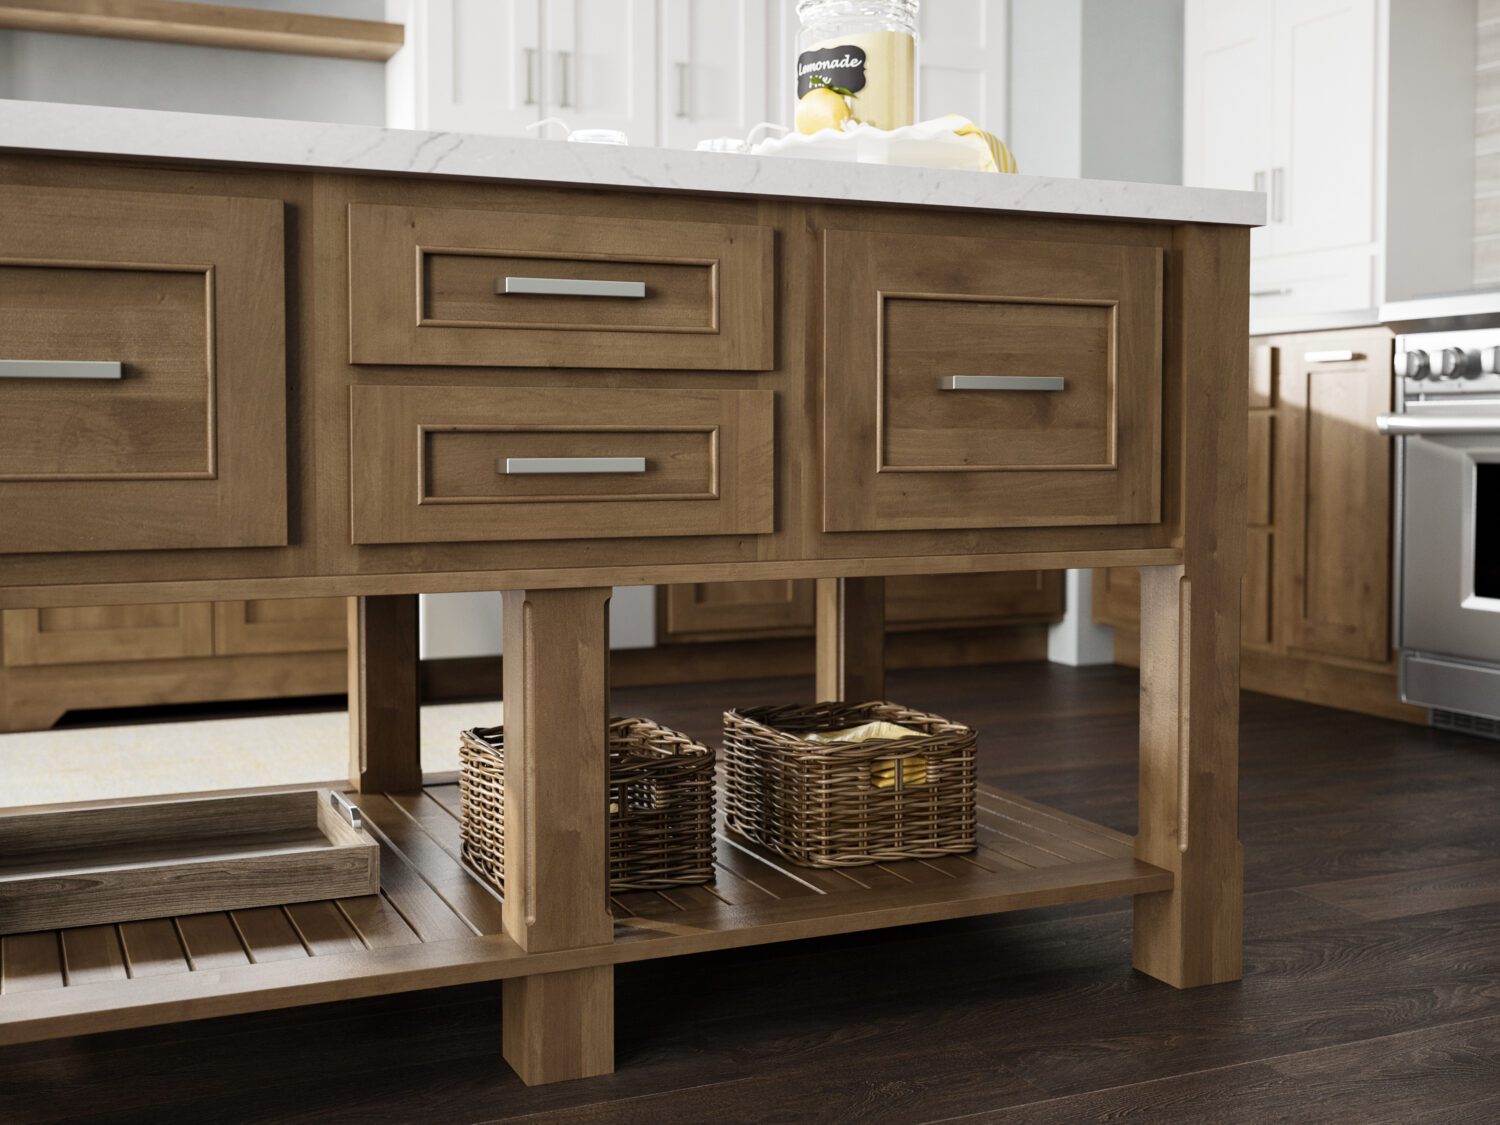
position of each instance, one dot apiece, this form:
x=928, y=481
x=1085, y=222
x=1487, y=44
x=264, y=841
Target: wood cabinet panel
x=1335, y=530
x=904, y=450
x=187, y=447
x=744, y=610
x=266, y=625
x=98, y=634
x=427, y=286
x=432, y=463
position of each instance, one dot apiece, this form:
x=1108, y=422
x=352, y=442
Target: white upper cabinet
x=472, y=66
x=599, y=65
x=712, y=73
x=1323, y=171
x=961, y=61
x=1280, y=96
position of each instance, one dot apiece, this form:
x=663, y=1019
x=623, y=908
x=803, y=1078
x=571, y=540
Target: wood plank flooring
x=1372, y=988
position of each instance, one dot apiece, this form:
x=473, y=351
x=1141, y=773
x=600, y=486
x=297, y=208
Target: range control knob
x=1412, y=364
x=1450, y=363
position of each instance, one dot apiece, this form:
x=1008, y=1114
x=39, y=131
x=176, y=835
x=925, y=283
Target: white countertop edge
x=83, y=130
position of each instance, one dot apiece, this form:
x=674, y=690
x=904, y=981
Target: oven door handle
x=1429, y=425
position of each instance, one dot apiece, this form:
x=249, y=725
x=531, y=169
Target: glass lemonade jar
x=862, y=51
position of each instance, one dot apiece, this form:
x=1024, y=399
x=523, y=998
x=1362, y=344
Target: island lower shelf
x=435, y=923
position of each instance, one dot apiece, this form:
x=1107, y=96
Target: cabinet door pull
x=1331, y=357
x=682, y=89
x=514, y=465
x=1000, y=383
x=568, y=287
x=530, y=54
x=1270, y=292
x=60, y=369
x=1278, y=195
x=565, y=80
x=1260, y=182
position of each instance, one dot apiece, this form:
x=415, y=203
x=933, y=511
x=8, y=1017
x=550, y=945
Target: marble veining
x=152, y=134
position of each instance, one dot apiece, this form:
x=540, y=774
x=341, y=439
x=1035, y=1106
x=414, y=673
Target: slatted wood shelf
x=435, y=923
x=208, y=25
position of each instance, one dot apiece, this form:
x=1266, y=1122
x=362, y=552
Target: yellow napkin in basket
x=882, y=770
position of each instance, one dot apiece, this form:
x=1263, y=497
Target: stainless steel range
x=1447, y=423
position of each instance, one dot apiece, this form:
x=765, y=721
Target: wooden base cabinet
x=58, y=659
x=1315, y=610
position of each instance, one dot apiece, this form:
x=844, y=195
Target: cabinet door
x=599, y=65
x=473, y=66
x=1324, y=132
x=280, y=625
x=956, y=61
x=946, y=601
x=701, y=611
x=98, y=634
x=165, y=314
x=1117, y=596
x=712, y=77
x=1334, y=497
x=1227, y=99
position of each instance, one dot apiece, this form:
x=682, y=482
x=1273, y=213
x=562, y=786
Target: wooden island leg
x=851, y=639
x=557, y=1025
x=1190, y=633
x=385, y=740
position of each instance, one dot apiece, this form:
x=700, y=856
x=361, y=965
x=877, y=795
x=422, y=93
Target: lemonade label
x=877, y=68
x=837, y=66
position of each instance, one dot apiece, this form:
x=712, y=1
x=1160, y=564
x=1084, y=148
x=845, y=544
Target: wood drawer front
x=429, y=463
x=905, y=312
x=187, y=447
x=281, y=625
x=423, y=286
x=935, y=601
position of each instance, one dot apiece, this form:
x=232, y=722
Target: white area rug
x=97, y=763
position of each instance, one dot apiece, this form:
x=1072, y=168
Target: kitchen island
x=316, y=360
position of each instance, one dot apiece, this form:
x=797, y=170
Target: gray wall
x=80, y=69
x=1096, y=88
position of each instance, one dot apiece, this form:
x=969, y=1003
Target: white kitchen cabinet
x=1355, y=117
x=961, y=57
x=712, y=77
x=497, y=66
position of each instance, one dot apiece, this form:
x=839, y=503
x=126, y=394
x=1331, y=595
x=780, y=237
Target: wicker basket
x=661, y=805
x=836, y=804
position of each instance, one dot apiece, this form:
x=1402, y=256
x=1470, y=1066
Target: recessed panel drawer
x=142, y=374
x=446, y=464
x=985, y=383
x=499, y=289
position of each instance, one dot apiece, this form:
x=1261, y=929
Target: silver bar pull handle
x=1000, y=383
x=1270, y=292
x=345, y=809
x=1419, y=425
x=1331, y=357
x=514, y=465
x=60, y=369
x=568, y=287
x=564, y=80
x=682, y=89
x=530, y=54
x=1278, y=195
x=1260, y=182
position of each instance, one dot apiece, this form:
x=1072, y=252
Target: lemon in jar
x=822, y=107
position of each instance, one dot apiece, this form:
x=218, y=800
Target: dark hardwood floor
x=1371, y=990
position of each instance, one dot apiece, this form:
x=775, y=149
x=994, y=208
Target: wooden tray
x=122, y=862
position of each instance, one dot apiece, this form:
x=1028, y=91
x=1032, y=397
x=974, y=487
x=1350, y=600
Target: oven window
x=1487, y=531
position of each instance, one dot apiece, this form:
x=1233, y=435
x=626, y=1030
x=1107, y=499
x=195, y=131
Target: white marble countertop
x=152, y=134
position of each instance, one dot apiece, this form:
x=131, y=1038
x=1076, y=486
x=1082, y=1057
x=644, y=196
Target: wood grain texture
x=1190, y=636
x=280, y=625
x=851, y=639
x=208, y=25
x=900, y=454
x=385, y=750
x=708, y=302
x=426, y=463
x=101, y=634
x=213, y=374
